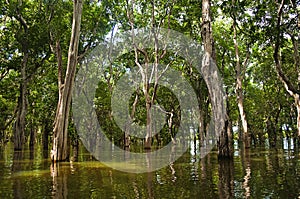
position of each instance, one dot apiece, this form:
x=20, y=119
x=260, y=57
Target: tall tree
x=239, y=81
x=292, y=89
x=224, y=137
x=19, y=127
x=25, y=51
x=60, y=148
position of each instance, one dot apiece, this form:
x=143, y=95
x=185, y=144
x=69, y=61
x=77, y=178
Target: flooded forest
x=149, y=99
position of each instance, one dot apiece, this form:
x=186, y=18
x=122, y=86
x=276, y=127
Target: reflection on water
x=254, y=173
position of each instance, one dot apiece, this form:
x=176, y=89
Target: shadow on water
x=253, y=173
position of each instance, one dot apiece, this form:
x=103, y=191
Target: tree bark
x=224, y=142
x=19, y=127
x=60, y=148
x=206, y=31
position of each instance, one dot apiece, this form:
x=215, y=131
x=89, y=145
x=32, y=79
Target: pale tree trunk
x=224, y=140
x=60, y=148
x=145, y=69
x=144, y=73
x=239, y=87
x=290, y=88
x=148, y=138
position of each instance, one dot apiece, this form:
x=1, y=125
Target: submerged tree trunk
x=224, y=142
x=60, y=148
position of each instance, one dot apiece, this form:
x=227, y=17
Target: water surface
x=255, y=173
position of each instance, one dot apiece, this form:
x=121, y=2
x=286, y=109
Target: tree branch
x=283, y=78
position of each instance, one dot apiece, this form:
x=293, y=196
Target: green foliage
x=50, y=21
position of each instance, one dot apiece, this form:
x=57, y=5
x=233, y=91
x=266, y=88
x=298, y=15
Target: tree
x=288, y=85
x=239, y=81
x=224, y=137
x=60, y=148
x=26, y=51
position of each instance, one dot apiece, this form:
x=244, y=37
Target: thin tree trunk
x=60, y=148
x=239, y=87
x=148, y=139
x=32, y=132
x=127, y=128
x=45, y=140
x=32, y=137
x=297, y=102
x=201, y=126
x=290, y=88
x=75, y=145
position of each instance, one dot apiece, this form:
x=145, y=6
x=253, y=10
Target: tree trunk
x=297, y=102
x=45, y=140
x=239, y=85
x=201, y=106
x=271, y=133
x=32, y=132
x=75, y=145
x=32, y=137
x=19, y=128
x=206, y=30
x=148, y=138
x=290, y=88
x=60, y=148
x=224, y=142
x=128, y=124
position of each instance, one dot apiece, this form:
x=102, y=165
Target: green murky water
x=258, y=173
